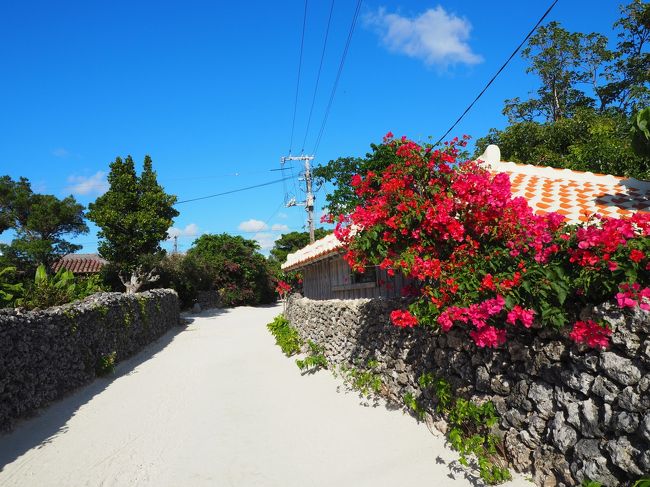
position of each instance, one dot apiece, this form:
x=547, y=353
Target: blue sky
x=207, y=89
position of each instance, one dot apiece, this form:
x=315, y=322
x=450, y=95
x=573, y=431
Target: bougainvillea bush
x=483, y=260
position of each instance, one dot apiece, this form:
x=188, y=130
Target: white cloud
x=437, y=37
x=265, y=240
x=61, y=152
x=283, y=216
x=81, y=185
x=191, y=230
x=279, y=227
x=252, y=225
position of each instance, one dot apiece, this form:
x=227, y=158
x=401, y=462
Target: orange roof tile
x=80, y=263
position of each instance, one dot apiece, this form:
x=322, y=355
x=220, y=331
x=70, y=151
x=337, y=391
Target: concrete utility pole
x=309, y=195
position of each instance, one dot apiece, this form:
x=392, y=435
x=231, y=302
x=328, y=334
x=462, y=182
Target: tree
x=562, y=60
x=240, y=273
x=628, y=89
x=133, y=216
x=41, y=222
x=580, y=116
x=340, y=171
x=588, y=141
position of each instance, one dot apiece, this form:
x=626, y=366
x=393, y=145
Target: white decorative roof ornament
x=491, y=154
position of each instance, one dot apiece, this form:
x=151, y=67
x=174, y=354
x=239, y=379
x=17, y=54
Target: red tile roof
x=80, y=263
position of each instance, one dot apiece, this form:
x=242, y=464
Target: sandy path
x=217, y=404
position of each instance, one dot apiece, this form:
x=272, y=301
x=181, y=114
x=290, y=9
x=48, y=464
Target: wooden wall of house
x=331, y=279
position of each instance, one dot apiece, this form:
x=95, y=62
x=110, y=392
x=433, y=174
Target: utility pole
x=175, y=244
x=309, y=195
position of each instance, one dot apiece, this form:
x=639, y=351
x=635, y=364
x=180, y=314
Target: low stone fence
x=566, y=413
x=45, y=353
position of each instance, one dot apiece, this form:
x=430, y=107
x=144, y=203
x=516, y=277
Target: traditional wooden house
x=576, y=195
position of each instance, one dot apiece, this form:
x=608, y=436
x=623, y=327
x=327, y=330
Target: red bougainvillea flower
x=636, y=255
x=591, y=333
x=283, y=288
x=403, y=319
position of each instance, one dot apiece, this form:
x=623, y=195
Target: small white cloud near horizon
x=436, y=37
x=61, y=152
x=252, y=225
x=190, y=230
x=84, y=185
x=279, y=227
x=265, y=240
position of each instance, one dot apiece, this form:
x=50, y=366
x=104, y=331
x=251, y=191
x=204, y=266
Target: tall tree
x=579, y=118
x=343, y=199
x=133, y=216
x=42, y=223
x=558, y=57
x=628, y=89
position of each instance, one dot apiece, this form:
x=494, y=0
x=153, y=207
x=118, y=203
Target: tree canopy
x=343, y=199
x=41, y=222
x=581, y=114
x=239, y=272
x=133, y=216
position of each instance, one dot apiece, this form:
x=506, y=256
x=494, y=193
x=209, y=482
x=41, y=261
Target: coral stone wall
x=44, y=353
x=566, y=413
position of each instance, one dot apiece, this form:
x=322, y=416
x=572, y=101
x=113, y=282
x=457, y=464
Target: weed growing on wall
x=470, y=426
x=363, y=378
x=314, y=360
x=286, y=337
x=106, y=364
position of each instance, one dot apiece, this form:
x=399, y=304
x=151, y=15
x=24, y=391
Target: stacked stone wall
x=45, y=353
x=567, y=413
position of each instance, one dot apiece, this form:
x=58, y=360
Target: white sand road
x=217, y=404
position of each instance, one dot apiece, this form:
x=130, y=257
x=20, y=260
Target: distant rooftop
x=80, y=263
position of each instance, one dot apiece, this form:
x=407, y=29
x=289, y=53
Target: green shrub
x=60, y=288
x=9, y=291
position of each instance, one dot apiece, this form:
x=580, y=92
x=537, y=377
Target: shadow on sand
x=46, y=423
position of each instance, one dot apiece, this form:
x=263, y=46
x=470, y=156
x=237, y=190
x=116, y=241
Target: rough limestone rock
x=567, y=413
x=621, y=369
x=46, y=353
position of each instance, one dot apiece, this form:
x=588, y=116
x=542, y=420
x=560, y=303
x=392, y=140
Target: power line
x=320, y=67
x=498, y=72
x=232, y=191
x=338, y=75
x=295, y=103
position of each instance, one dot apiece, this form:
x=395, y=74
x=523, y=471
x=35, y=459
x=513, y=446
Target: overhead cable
x=338, y=75
x=320, y=67
x=498, y=72
x=295, y=103
x=232, y=191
